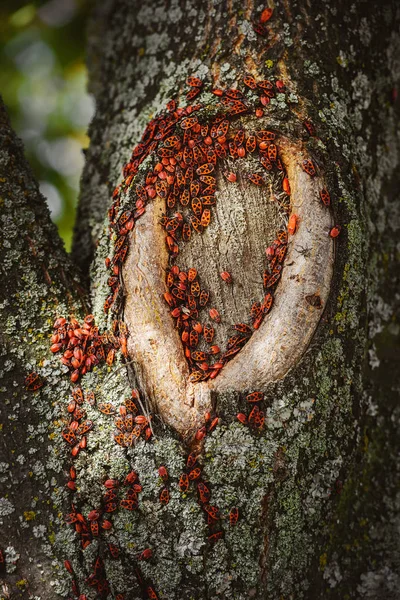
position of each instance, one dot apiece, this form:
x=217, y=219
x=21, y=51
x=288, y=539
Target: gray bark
x=317, y=489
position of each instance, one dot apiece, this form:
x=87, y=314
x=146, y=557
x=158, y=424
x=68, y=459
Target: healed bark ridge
x=244, y=217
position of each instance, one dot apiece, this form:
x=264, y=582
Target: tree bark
x=316, y=488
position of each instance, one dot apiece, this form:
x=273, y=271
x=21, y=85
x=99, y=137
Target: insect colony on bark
x=188, y=151
x=188, y=147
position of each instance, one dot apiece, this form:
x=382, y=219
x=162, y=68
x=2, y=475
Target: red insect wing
x=194, y=82
x=129, y=422
x=254, y=397
x=129, y=504
x=281, y=252
x=231, y=352
x=209, y=190
x=211, y=156
x=282, y=236
x=110, y=507
x=273, y=279
x=146, y=554
x=69, y=436
x=208, y=333
x=251, y=144
x=199, y=356
x=194, y=92
x=233, y=516
x=164, y=153
x=194, y=474
x=163, y=473
x=171, y=105
x=194, y=188
x=85, y=427
x=198, y=157
x=119, y=438
x=250, y=82
x=223, y=128
x=325, y=197
x=189, y=122
x=197, y=207
x=120, y=423
x=225, y=276
x=193, y=339
x=161, y=188
x=272, y=152
x=196, y=376
x=286, y=186
x=220, y=150
x=130, y=405
x=187, y=156
x=235, y=94
x=191, y=460
x=204, y=492
x=265, y=136
x=255, y=310
x=208, y=179
x=265, y=85
x=196, y=224
x=151, y=594
x=293, y=224
x=114, y=550
x=164, y=496
x=212, y=511
x=77, y=395
x=94, y=528
x=256, y=179
x=90, y=398
x=205, y=169
x=191, y=300
x=233, y=150
x=130, y=478
x=186, y=232
x=259, y=420
x=204, y=297
x=253, y=414
x=308, y=167
x=184, y=198
x=195, y=289
x=208, y=200
x=205, y=217
x=172, y=141
x=243, y=328
x=183, y=482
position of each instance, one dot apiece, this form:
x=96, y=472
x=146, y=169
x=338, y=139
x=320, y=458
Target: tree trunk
x=315, y=485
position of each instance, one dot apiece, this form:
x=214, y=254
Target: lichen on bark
x=308, y=488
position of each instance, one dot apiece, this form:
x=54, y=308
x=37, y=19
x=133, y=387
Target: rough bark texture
x=317, y=489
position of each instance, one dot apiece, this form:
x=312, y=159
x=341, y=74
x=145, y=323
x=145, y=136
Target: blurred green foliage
x=43, y=82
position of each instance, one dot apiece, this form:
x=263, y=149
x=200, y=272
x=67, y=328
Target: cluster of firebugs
x=187, y=151
x=125, y=495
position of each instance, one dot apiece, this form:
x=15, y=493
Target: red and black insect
x=33, y=381
x=164, y=496
x=233, y=516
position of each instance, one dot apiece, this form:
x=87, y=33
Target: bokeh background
x=43, y=81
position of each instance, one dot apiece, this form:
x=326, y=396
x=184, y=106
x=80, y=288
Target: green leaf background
x=43, y=82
